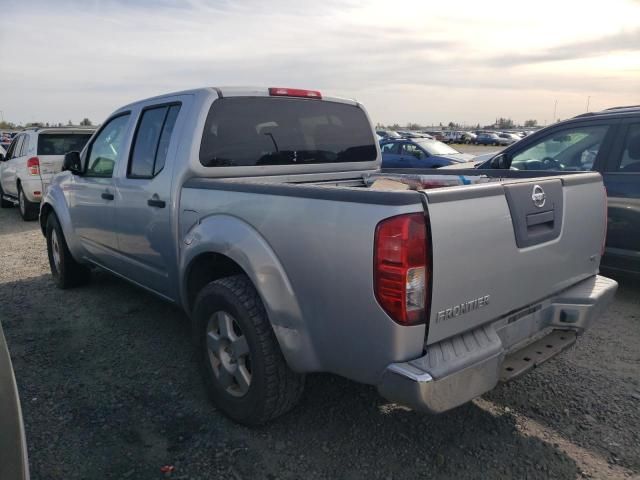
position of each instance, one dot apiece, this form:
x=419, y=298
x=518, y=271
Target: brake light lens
x=33, y=166
x=294, y=92
x=401, y=268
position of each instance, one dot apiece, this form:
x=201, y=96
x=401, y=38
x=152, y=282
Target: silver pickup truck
x=264, y=215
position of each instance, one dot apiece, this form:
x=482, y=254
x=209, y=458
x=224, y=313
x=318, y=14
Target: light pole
x=555, y=108
x=588, y=100
x=2, y=115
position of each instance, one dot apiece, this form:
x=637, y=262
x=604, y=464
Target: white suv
x=33, y=157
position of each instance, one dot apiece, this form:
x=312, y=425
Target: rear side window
x=630, y=161
x=151, y=143
x=284, y=131
x=25, y=147
x=61, y=143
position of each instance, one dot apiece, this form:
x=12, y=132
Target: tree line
x=85, y=122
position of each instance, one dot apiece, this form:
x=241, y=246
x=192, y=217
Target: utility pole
x=588, y=100
x=555, y=108
x=2, y=115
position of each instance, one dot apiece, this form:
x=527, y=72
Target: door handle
x=107, y=196
x=156, y=202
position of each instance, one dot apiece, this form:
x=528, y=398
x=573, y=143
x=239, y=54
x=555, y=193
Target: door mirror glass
x=72, y=163
x=500, y=161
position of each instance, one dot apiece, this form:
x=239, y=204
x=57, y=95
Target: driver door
x=92, y=197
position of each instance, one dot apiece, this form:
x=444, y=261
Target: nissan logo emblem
x=538, y=196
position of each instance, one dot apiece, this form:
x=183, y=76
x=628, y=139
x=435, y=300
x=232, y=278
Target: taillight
x=33, y=165
x=401, y=268
x=294, y=92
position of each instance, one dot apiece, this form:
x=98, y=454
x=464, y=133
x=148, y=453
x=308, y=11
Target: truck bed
x=493, y=250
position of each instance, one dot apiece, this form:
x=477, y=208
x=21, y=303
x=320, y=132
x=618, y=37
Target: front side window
x=253, y=131
x=573, y=149
x=413, y=151
x=107, y=147
x=630, y=161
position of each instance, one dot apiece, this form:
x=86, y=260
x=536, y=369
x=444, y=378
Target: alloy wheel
x=228, y=353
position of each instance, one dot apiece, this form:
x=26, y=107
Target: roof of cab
x=230, y=91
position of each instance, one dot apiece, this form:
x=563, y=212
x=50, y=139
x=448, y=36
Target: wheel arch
x=223, y=245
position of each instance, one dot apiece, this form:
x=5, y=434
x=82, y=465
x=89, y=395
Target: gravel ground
x=110, y=389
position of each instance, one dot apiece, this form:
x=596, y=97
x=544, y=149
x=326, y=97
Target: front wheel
x=28, y=210
x=245, y=372
x=65, y=270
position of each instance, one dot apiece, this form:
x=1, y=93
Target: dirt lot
x=110, y=389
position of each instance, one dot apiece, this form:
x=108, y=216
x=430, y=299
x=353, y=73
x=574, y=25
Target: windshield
x=249, y=131
x=61, y=143
x=434, y=147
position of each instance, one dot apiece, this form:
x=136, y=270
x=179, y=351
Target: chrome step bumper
x=457, y=370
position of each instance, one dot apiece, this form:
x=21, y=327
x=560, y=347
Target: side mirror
x=72, y=163
x=500, y=162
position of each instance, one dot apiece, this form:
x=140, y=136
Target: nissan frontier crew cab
x=263, y=213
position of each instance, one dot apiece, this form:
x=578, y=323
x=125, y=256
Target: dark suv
x=607, y=142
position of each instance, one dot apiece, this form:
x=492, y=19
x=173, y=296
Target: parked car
x=253, y=209
x=607, y=142
x=507, y=138
x=487, y=139
x=435, y=135
x=34, y=156
x=468, y=137
x=14, y=464
x=388, y=134
x=451, y=136
x=419, y=153
x=411, y=134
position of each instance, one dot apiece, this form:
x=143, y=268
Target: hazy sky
x=407, y=61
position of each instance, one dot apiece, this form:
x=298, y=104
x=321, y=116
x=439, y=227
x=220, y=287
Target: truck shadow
x=110, y=387
x=590, y=393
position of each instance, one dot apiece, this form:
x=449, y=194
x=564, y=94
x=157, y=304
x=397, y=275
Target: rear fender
x=239, y=241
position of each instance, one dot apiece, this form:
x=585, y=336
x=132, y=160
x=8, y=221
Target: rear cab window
x=252, y=131
x=61, y=143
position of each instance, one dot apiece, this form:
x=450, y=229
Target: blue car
x=419, y=153
x=487, y=139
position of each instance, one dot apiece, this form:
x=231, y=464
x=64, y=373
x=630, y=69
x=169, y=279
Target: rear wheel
x=28, y=210
x=245, y=372
x=65, y=270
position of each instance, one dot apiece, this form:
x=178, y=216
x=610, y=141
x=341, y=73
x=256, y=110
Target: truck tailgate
x=500, y=247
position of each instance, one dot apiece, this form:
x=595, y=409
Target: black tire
x=28, y=210
x=273, y=388
x=4, y=203
x=66, y=272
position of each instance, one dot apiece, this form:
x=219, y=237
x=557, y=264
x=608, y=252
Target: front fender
x=239, y=241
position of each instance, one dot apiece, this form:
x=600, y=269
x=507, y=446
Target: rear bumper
x=457, y=370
